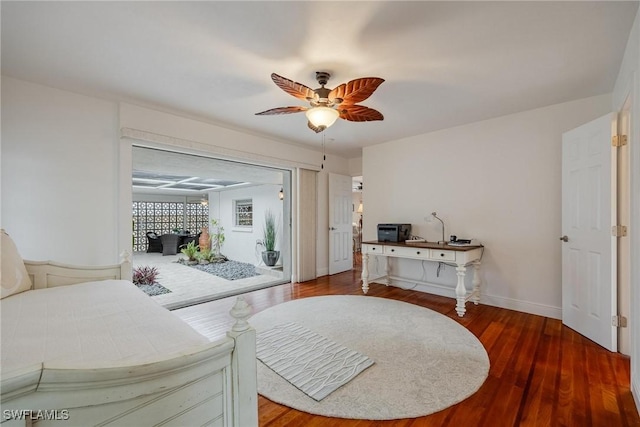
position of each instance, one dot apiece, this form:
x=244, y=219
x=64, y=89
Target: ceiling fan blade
x=296, y=89
x=356, y=90
x=359, y=113
x=282, y=110
x=316, y=129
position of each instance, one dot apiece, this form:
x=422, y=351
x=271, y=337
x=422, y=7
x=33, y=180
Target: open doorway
x=202, y=224
x=357, y=218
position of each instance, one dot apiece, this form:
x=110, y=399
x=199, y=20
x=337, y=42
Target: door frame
x=624, y=218
x=150, y=140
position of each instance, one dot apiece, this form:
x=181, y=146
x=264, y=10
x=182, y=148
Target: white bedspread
x=94, y=324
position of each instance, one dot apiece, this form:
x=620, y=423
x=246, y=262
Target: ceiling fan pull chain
x=324, y=156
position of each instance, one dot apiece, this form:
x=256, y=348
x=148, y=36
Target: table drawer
x=372, y=249
x=437, y=254
x=399, y=251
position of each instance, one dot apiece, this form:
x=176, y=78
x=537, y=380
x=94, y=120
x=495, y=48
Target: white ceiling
x=445, y=63
x=170, y=173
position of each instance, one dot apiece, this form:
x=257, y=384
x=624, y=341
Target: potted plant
x=204, y=241
x=190, y=251
x=270, y=231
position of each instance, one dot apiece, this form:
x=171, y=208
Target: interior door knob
x=564, y=239
x=332, y=228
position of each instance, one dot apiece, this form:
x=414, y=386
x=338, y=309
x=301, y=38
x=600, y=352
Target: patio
x=190, y=286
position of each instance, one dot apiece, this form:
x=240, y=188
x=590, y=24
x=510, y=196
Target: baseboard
x=492, y=300
x=322, y=272
x=427, y=287
x=635, y=392
x=524, y=306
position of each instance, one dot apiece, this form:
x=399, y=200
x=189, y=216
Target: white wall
x=240, y=242
x=498, y=181
x=355, y=166
x=61, y=151
x=232, y=144
x=216, y=138
x=59, y=174
x=628, y=84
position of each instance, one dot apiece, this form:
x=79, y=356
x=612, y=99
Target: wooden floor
x=542, y=373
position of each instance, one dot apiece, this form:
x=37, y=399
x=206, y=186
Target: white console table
x=461, y=256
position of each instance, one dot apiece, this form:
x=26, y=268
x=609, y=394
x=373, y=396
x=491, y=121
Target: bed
x=82, y=347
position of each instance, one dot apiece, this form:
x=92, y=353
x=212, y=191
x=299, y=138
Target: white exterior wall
x=498, y=181
x=240, y=242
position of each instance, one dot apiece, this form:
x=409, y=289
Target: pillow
x=15, y=278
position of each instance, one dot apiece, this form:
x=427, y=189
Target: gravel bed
x=230, y=270
x=154, y=289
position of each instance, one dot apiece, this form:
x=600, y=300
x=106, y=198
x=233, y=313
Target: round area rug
x=424, y=361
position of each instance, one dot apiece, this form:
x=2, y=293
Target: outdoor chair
x=170, y=243
x=154, y=242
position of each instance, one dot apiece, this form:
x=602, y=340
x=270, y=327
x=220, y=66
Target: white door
x=340, y=227
x=588, y=213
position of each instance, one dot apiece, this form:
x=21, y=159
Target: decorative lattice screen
x=165, y=217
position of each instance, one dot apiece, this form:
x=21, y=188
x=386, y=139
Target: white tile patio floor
x=190, y=286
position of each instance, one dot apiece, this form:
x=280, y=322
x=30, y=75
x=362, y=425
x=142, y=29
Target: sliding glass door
x=238, y=211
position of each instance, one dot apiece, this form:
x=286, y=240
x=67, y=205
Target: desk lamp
x=433, y=214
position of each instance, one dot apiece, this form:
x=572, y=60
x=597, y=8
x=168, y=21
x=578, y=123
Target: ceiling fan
x=329, y=104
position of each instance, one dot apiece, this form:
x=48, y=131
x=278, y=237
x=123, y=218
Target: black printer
x=393, y=232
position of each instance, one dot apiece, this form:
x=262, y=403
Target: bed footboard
x=213, y=385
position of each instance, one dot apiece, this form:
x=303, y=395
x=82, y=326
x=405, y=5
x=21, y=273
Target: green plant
x=190, y=250
x=270, y=231
x=144, y=275
x=204, y=254
x=217, y=236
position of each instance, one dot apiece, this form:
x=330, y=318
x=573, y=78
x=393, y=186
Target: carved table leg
x=461, y=291
x=387, y=269
x=365, y=273
x=476, y=282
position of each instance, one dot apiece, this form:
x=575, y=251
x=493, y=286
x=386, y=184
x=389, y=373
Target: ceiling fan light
x=322, y=116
